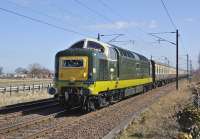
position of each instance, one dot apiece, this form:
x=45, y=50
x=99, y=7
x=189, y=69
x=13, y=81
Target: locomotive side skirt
x=101, y=86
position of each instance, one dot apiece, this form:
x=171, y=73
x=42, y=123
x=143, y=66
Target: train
x=91, y=74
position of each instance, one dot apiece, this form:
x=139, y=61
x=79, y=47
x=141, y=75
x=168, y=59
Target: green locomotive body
x=92, y=74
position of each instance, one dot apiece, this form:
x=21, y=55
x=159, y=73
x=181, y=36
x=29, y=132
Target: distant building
x=20, y=75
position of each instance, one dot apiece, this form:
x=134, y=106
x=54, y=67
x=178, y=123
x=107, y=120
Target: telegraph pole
x=191, y=68
x=187, y=67
x=98, y=38
x=176, y=44
x=177, y=59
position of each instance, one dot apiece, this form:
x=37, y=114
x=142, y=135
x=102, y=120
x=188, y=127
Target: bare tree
x=1, y=70
x=46, y=73
x=21, y=70
x=35, y=70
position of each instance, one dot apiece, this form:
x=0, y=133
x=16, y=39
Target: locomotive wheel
x=145, y=89
x=63, y=103
x=89, y=106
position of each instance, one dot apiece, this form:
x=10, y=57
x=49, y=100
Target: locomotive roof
x=121, y=50
x=141, y=57
x=137, y=56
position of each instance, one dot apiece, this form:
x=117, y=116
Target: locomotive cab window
x=112, y=54
x=78, y=45
x=95, y=46
x=72, y=63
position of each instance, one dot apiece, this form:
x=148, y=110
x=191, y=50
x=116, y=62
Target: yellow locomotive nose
x=73, y=68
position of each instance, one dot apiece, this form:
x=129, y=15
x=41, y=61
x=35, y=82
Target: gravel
x=96, y=124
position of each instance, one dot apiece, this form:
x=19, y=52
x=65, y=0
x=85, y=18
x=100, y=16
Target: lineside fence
x=196, y=96
x=24, y=88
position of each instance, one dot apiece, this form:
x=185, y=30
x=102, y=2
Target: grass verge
x=159, y=121
x=19, y=97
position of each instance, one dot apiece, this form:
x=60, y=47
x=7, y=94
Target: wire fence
x=30, y=88
x=196, y=96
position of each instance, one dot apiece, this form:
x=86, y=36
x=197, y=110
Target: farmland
x=25, y=94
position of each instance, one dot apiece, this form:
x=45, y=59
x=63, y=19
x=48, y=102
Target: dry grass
x=196, y=76
x=18, y=97
x=158, y=122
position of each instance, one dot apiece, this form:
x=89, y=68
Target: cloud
x=190, y=19
x=119, y=25
x=153, y=24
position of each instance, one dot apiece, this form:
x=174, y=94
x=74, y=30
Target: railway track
x=26, y=105
x=31, y=127
x=73, y=124
x=28, y=114
x=15, y=113
x=28, y=122
x=98, y=124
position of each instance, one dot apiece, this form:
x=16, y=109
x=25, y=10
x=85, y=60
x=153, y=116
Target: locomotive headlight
x=94, y=70
x=112, y=69
x=84, y=74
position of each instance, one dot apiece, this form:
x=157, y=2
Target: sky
x=24, y=42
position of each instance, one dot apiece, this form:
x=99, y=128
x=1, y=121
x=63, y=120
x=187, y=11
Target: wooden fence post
x=42, y=86
x=4, y=90
x=10, y=89
x=33, y=88
x=23, y=87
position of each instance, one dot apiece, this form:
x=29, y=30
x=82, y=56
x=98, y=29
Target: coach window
x=78, y=45
x=95, y=46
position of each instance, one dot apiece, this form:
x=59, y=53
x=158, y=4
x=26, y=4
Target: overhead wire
x=166, y=10
x=94, y=11
x=42, y=13
x=108, y=19
x=33, y=10
x=183, y=45
x=121, y=17
x=72, y=13
x=139, y=28
x=172, y=21
x=41, y=21
x=109, y=8
x=168, y=14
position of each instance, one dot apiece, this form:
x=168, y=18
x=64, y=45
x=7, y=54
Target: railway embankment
x=171, y=117
x=149, y=112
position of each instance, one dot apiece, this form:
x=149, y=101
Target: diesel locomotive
x=91, y=74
